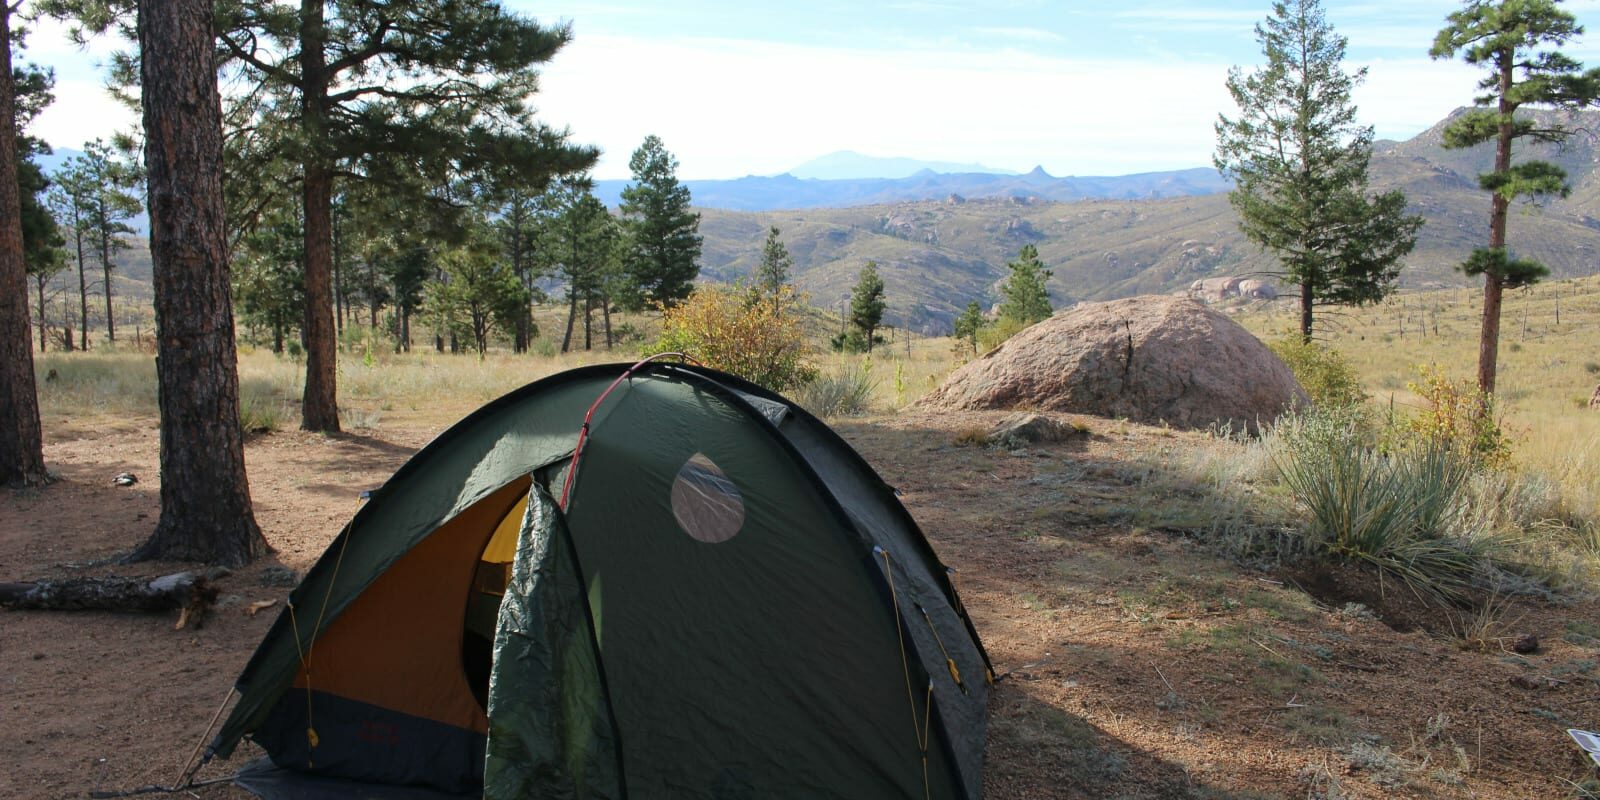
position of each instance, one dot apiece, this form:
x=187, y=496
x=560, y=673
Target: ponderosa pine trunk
x=206, y=513
x=572, y=316
x=320, y=407
x=83, y=280
x=1493, y=284
x=21, y=442
x=105, y=267
x=1307, y=304
x=44, y=330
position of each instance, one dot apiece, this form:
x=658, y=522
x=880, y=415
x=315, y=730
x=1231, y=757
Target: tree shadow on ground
x=1037, y=750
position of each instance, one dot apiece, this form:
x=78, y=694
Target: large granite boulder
x=1152, y=359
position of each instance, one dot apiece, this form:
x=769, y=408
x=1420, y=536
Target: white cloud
x=1021, y=34
x=728, y=108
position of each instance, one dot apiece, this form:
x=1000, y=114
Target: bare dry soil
x=1136, y=662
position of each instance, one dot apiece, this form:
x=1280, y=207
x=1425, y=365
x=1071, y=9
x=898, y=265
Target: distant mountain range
x=939, y=252
x=786, y=191
x=850, y=165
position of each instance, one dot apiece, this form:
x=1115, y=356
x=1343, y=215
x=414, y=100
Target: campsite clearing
x=1137, y=661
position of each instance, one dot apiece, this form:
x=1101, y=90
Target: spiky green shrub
x=1407, y=512
x=840, y=392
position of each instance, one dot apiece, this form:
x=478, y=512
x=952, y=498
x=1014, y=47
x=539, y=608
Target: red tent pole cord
x=583, y=433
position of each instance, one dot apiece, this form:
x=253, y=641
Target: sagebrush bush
x=1322, y=371
x=759, y=339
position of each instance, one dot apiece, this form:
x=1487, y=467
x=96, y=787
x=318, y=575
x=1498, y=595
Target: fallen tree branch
x=189, y=592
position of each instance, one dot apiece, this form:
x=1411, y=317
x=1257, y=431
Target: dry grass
x=1547, y=370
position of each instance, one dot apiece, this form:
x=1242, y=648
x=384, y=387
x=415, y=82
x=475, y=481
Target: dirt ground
x=1136, y=662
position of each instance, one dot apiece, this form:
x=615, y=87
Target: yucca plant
x=1403, y=513
x=840, y=392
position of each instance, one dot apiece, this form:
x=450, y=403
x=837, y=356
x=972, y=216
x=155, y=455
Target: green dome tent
x=715, y=598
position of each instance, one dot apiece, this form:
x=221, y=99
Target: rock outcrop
x=1151, y=359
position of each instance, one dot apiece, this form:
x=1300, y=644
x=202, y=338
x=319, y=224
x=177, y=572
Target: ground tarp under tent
x=718, y=598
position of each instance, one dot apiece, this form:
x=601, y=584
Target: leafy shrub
x=729, y=329
x=854, y=341
x=1322, y=371
x=627, y=333
x=991, y=336
x=839, y=392
x=1458, y=417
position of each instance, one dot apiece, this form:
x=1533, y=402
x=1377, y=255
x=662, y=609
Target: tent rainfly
x=646, y=581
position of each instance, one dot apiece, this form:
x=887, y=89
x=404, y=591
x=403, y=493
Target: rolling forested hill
x=938, y=254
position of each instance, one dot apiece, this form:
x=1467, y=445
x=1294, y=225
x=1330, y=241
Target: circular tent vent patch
x=706, y=503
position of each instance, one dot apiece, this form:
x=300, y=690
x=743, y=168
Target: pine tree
x=268, y=282
x=69, y=200
x=1514, y=40
x=969, y=324
x=663, y=246
x=21, y=441
x=1298, y=160
x=41, y=237
x=866, y=312
x=106, y=184
x=772, y=274
x=369, y=93
x=584, y=243
x=206, y=514
x=1025, y=297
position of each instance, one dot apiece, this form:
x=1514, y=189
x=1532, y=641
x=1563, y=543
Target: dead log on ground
x=190, y=592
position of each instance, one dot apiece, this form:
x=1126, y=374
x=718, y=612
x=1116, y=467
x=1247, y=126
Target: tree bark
x=21, y=442
x=572, y=315
x=1307, y=302
x=320, y=406
x=105, y=268
x=44, y=331
x=184, y=590
x=83, y=280
x=206, y=513
x=339, y=304
x=1493, y=285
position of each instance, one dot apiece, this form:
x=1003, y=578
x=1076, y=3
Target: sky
x=1079, y=87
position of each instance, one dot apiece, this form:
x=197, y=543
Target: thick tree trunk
x=205, y=497
x=21, y=443
x=320, y=406
x=605, y=310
